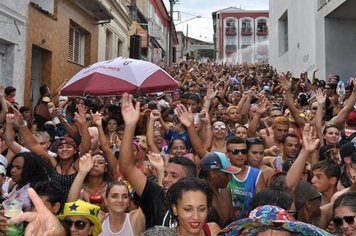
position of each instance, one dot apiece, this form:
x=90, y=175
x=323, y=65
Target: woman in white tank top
x=117, y=221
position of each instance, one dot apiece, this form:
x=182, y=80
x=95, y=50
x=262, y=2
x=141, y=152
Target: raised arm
x=85, y=141
x=10, y=134
x=4, y=108
x=187, y=118
x=261, y=109
x=320, y=97
x=157, y=162
x=340, y=118
x=110, y=158
x=86, y=162
x=130, y=115
x=310, y=143
x=287, y=86
x=154, y=116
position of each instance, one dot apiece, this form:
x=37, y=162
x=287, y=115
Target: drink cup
x=13, y=208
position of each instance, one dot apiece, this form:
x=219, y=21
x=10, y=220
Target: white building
x=240, y=35
x=13, y=31
x=305, y=34
x=114, y=36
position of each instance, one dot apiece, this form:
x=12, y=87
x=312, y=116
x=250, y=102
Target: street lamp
x=188, y=20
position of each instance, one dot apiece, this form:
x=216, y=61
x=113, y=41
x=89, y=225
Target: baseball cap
x=267, y=88
x=351, y=118
x=2, y=170
x=347, y=149
x=303, y=193
x=218, y=161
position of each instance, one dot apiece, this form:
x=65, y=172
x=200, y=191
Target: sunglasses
x=217, y=127
x=255, y=140
x=78, y=224
x=237, y=151
x=348, y=219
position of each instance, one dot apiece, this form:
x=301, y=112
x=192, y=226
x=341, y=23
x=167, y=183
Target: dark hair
x=353, y=157
x=346, y=200
x=175, y=192
x=52, y=191
x=107, y=122
x=43, y=90
x=275, y=197
x=115, y=183
x=195, y=97
x=23, y=109
x=34, y=170
x=284, y=139
x=9, y=90
x=188, y=165
x=235, y=140
x=254, y=141
x=328, y=127
x=107, y=176
x=329, y=167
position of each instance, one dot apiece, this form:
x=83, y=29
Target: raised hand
x=97, y=119
x=41, y=221
x=204, y=116
x=185, y=116
x=80, y=115
x=155, y=115
x=310, y=142
x=156, y=160
x=285, y=82
x=262, y=105
x=320, y=97
x=274, y=151
x=86, y=162
x=10, y=118
x=17, y=115
x=129, y=112
x=210, y=93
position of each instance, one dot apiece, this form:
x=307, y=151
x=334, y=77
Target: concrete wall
x=301, y=54
x=120, y=32
x=340, y=55
x=51, y=34
x=13, y=45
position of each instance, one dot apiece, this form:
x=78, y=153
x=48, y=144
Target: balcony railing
x=262, y=32
x=246, y=31
x=230, y=48
x=230, y=31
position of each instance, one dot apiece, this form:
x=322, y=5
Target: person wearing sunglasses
x=81, y=218
x=345, y=213
x=245, y=184
x=219, y=135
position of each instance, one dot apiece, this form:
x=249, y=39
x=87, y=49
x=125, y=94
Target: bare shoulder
x=214, y=228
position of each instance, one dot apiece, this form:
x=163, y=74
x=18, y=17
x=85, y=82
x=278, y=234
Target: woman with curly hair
x=189, y=201
x=26, y=169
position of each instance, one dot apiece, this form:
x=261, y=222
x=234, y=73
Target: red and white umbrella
x=116, y=76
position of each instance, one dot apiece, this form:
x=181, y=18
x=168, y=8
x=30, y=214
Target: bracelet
x=23, y=125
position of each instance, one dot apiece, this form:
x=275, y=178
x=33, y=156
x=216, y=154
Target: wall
x=340, y=54
x=301, y=54
x=13, y=45
x=51, y=34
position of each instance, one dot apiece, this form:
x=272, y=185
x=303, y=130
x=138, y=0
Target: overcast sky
x=202, y=28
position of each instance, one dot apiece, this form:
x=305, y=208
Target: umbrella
x=119, y=75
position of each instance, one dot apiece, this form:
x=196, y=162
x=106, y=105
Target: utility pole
x=170, y=41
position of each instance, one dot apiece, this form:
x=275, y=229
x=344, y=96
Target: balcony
x=246, y=31
x=262, y=33
x=95, y=8
x=230, y=48
x=230, y=31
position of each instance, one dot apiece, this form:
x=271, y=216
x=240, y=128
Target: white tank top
x=126, y=229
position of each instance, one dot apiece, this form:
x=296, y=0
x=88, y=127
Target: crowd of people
x=236, y=149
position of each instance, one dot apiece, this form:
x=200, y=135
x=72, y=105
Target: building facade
x=114, y=34
x=62, y=39
x=13, y=33
x=313, y=34
x=240, y=35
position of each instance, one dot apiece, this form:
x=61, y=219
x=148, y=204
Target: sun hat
x=271, y=217
x=218, y=161
x=81, y=208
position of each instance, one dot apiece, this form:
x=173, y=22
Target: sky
x=202, y=28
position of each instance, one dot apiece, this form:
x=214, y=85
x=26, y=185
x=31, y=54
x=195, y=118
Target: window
x=230, y=41
x=246, y=40
x=230, y=26
x=46, y=5
x=283, y=33
x=246, y=25
x=119, y=45
x=262, y=26
x=76, y=44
